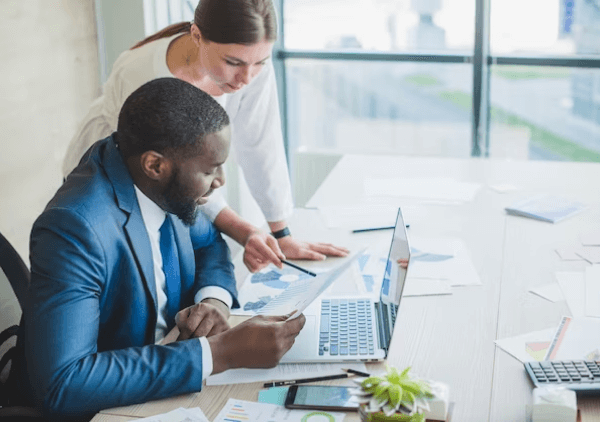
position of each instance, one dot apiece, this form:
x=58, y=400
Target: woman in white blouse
x=225, y=52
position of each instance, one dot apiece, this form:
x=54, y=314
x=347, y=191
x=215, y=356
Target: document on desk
x=433, y=189
x=551, y=292
x=280, y=292
x=360, y=216
x=592, y=291
x=572, y=285
x=575, y=339
x=178, y=415
x=528, y=347
x=246, y=411
x=283, y=372
x=442, y=258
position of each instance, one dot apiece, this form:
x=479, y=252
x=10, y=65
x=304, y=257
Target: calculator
x=582, y=376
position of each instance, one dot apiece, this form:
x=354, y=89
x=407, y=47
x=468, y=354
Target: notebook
x=356, y=328
x=549, y=208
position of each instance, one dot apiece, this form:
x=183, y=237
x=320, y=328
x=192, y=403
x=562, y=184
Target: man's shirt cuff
x=214, y=292
x=207, y=360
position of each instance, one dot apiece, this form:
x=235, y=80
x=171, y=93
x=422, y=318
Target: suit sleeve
x=70, y=379
x=213, y=259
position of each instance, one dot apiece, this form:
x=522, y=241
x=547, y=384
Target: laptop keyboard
x=346, y=327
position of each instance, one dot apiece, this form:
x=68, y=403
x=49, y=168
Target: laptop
x=356, y=328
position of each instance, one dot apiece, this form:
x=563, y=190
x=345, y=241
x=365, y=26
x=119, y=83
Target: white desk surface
x=451, y=338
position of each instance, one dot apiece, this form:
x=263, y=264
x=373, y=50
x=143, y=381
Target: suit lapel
x=134, y=226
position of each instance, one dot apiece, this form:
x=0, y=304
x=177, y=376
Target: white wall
x=49, y=74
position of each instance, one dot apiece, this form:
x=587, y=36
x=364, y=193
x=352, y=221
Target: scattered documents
x=442, y=258
x=282, y=372
x=590, y=254
x=568, y=254
x=528, y=347
x=549, y=208
x=590, y=238
x=592, y=292
x=572, y=285
x=178, y=415
x=245, y=411
x=575, y=339
x=551, y=292
x=426, y=287
x=437, y=189
x=360, y=216
x=503, y=187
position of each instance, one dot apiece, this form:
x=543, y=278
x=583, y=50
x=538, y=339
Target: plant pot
x=382, y=417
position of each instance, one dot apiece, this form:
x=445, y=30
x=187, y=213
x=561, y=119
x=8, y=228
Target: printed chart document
x=549, y=208
x=572, y=285
x=528, y=347
x=178, y=415
x=436, y=189
x=575, y=339
x=280, y=292
x=283, y=372
x=442, y=258
x=245, y=411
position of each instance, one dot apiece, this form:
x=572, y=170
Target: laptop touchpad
x=305, y=345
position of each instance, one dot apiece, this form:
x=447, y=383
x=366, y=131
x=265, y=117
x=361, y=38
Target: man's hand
x=204, y=319
x=297, y=249
x=259, y=342
x=261, y=249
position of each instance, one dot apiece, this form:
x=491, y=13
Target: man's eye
x=232, y=63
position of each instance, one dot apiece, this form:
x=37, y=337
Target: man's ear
x=156, y=166
x=196, y=34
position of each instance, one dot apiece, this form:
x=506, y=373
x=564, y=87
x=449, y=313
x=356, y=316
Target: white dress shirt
x=154, y=217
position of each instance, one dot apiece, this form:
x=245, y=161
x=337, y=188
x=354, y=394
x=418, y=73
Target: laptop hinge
x=383, y=325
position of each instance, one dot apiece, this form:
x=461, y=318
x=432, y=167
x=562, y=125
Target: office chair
x=18, y=275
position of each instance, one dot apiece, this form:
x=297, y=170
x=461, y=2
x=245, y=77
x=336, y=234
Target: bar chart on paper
x=245, y=411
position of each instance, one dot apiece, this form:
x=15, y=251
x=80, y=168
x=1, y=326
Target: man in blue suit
x=120, y=249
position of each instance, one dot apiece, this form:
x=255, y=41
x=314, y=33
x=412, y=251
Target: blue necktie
x=170, y=258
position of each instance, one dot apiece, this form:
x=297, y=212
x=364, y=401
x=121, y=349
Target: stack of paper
x=581, y=291
x=544, y=207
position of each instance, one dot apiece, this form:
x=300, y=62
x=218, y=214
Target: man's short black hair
x=169, y=116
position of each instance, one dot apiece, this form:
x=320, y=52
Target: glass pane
x=379, y=108
x=545, y=113
x=388, y=25
x=545, y=27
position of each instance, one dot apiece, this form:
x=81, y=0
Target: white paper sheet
x=590, y=253
x=575, y=339
x=442, y=258
x=528, y=347
x=246, y=411
x=568, y=254
x=438, y=189
x=178, y=415
x=284, y=372
x=591, y=238
x=551, y=292
x=360, y=216
x=426, y=287
x=572, y=285
x=503, y=187
x=592, y=291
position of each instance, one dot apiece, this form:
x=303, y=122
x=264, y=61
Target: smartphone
x=321, y=397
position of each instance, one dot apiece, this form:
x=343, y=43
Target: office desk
x=451, y=338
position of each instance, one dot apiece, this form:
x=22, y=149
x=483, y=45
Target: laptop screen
x=394, y=277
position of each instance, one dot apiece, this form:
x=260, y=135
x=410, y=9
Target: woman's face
x=233, y=66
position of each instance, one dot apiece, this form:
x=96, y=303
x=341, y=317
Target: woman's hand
x=297, y=249
x=261, y=249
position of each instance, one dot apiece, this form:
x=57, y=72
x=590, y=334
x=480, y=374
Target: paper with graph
x=281, y=292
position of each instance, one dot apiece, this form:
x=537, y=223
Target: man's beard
x=179, y=203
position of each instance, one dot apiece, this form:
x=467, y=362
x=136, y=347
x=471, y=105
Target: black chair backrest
x=15, y=270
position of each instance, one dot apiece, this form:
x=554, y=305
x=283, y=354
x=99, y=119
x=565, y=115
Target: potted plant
x=396, y=397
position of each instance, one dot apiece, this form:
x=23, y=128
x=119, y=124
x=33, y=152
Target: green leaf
x=393, y=375
x=395, y=394
x=371, y=382
x=405, y=372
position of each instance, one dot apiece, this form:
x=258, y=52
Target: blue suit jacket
x=88, y=328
